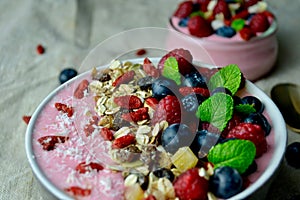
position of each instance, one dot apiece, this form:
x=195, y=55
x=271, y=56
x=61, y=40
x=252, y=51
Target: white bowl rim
x=271, y=108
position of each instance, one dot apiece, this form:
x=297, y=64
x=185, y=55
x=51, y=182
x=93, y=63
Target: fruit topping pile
x=174, y=130
x=224, y=18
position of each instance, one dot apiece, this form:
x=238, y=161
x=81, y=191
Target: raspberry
x=149, y=68
x=183, y=57
x=123, y=141
x=194, y=90
x=203, y=4
x=84, y=167
x=248, y=3
x=199, y=27
x=107, y=134
x=49, y=142
x=184, y=9
x=138, y=115
x=259, y=23
x=252, y=132
x=233, y=122
x=246, y=33
x=79, y=91
x=167, y=109
x=78, y=191
x=190, y=186
x=244, y=14
x=128, y=101
x=124, y=78
x=222, y=7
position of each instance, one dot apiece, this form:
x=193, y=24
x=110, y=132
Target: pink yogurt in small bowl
x=57, y=171
x=255, y=57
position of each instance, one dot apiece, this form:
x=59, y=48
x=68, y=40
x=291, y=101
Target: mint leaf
x=229, y=77
x=238, y=154
x=245, y=108
x=238, y=24
x=217, y=110
x=171, y=70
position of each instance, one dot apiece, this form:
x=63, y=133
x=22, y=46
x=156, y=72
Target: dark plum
x=259, y=119
x=194, y=79
x=163, y=87
x=225, y=182
x=67, y=74
x=292, y=154
x=257, y=104
x=176, y=136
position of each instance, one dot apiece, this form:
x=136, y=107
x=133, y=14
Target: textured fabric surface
x=26, y=77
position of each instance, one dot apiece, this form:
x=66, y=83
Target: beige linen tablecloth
x=27, y=77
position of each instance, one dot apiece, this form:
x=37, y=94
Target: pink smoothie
x=59, y=164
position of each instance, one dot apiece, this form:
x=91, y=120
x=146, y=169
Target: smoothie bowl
x=241, y=32
x=156, y=128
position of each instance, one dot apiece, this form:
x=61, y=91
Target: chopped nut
x=144, y=129
x=122, y=131
x=130, y=180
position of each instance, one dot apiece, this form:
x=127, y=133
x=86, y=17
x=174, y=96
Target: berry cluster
x=224, y=18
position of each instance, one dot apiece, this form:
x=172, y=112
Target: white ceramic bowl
x=255, y=57
x=277, y=141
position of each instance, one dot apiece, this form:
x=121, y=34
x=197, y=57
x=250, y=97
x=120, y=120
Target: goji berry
x=90, y=127
x=26, y=119
x=78, y=191
x=107, y=134
x=40, y=49
x=64, y=108
x=49, y=142
x=128, y=101
x=123, y=141
x=88, y=167
x=141, y=52
x=152, y=102
x=194, y=90
x=124, y=78
x=138, y=115
x=149, y=68
x=79, y=91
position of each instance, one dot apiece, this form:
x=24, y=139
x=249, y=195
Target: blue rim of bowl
x=270, y=107
x=268, y=33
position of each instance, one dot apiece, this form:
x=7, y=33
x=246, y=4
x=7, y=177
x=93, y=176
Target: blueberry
x=237, y=100
x=162, y=88
x=225, y=182
x=183, y=22
x=226, y=31
x=194, y=79
x=255, y=102
x=145, y=83
x=191, y=102
x=67, y=74
x=259, y=119
x=176, y=136
x=163, y=172
x=292, y=154
x=221, y=90
x=204, y=138
x=251, y=169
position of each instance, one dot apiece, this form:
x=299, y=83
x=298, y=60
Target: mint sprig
x=217, y=110
x=229, y=77
x=238, y=154
x=171, y=70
